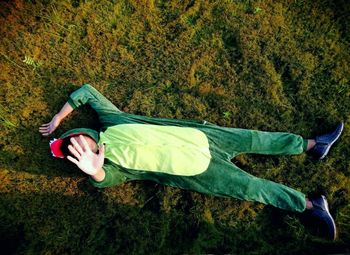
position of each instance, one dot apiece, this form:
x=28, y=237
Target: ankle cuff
x=305, y=143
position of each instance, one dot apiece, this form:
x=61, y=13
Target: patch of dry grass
x=269, y=65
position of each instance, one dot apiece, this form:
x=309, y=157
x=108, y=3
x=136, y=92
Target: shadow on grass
x=29, y=150
x=95, y=223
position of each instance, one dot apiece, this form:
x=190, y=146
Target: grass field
x=269, y=65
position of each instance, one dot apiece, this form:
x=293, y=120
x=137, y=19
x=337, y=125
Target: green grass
x=269, y=65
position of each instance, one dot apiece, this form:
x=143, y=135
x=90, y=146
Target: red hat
x=55, y=146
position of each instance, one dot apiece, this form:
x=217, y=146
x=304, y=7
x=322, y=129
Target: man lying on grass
x=192, y=155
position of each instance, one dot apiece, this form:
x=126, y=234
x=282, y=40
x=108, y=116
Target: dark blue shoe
x=325, y=142
x=321, y=215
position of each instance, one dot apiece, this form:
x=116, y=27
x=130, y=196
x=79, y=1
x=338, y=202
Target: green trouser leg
x=230, y=180
x=234, y=141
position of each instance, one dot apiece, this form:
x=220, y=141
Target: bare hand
x=48, y=128
x=88, y=161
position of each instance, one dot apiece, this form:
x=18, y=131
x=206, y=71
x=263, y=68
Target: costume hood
x=55, y=144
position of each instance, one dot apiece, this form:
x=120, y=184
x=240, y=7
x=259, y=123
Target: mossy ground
x=269, y=65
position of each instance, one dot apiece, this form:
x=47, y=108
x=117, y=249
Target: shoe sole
x=330, y=216
x=328, y=148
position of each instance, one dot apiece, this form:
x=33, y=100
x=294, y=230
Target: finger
x=76, y=145
x=74, y=151
x=85, y=143
x=45, y=125
x=101, y=150
x=45, y=134
x=73, y=160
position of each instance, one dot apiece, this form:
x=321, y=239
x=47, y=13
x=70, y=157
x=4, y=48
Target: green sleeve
x=89, y=95
x=113, y=177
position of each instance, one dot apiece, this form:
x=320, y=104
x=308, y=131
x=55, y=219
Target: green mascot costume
x=193, y=155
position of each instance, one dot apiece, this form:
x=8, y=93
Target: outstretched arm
x=48, y=128
x=84, y=95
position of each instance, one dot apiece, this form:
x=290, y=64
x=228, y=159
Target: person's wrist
x=99, y=175
x=58, y=116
